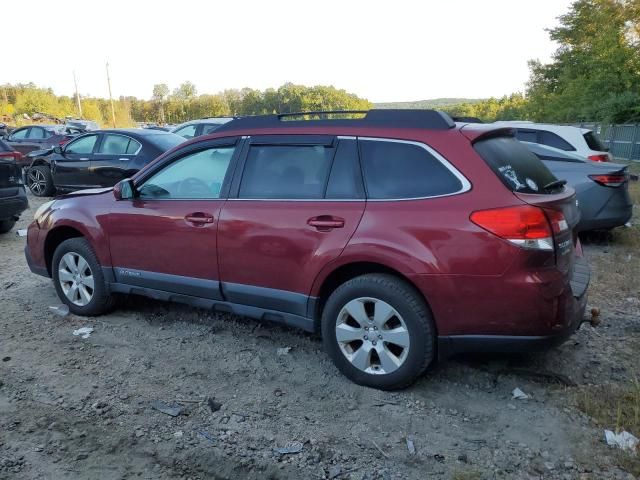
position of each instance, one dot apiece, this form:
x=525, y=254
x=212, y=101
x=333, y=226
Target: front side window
x=286, y=172
x=187, y=132
x=199, y=175
x=118, y=145
x=20, y=134
x=83, y=145
x=399, y=170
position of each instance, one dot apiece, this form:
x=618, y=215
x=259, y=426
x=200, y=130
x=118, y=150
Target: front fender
x=90, y=226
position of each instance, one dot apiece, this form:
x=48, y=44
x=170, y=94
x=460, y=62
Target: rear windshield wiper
x=555, y=184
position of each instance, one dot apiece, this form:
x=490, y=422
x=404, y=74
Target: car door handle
x=83, y=159
x=326, y=222
x=123, y=159
x=199, y=218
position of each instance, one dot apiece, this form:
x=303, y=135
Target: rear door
x=70, y=170
x=113, y=159
x=295, y=203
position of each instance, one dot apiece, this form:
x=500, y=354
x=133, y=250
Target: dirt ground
x=77, y=408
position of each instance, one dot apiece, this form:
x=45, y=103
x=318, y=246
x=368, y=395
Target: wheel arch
x=346, y=272
x=54, y=238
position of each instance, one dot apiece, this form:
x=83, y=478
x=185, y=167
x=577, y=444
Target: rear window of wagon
x=517, y=167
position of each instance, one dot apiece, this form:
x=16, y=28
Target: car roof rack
x=392, y=118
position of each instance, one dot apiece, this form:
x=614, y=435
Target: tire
x=6, y=225
x=408, y=317
x=80, y=297
x=40, y=181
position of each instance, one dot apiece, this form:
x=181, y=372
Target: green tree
x=597, y=62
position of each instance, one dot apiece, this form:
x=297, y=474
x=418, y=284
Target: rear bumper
x=604, y=208
x=454, y=344
x=575, y=305
x=13, y=201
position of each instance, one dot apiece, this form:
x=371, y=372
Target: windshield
x=165, y=141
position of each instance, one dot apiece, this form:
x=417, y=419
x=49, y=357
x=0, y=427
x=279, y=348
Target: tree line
x=181, y=105
x=593, y=75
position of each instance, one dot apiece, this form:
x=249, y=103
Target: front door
x=70, y=169
x=297, y=204
x=165, y=238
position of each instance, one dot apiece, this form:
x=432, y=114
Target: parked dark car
x=400, y=236
x=197, y=128
x=601, y=187
x=37, y=137
x=100, y=158
x=13, y=198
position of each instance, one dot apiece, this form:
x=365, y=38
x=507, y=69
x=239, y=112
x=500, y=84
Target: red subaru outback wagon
x=401, y=236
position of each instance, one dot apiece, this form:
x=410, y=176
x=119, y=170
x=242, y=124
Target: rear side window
x=286, y=172
x=118, y=145
x=518, y=168
x=400, y=170
x=527, y=136
x=593, y=142
x=37, y=133
x=555, y=141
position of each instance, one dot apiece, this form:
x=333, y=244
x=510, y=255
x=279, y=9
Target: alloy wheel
x=36, y=181
x=372, y=335
x=76, y=278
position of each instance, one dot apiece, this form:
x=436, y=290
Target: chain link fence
x=623, y=141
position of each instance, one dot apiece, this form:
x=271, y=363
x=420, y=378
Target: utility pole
x=75, y=82
x=113, y=111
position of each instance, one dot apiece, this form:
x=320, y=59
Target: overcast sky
x=382, y=50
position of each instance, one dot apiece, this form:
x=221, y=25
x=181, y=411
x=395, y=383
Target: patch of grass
x=617, y=409
x=612, y=407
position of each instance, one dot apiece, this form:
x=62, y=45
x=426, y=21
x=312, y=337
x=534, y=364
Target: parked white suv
x=582, y=141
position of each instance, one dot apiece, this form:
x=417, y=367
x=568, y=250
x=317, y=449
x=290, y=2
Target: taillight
x=603, y=157
x=525, y=226
x=63, y=141
x=610, y=180
x=558, y=222
x=12, y=155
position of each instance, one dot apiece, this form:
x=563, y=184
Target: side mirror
x=124, y=190
x=57, y=149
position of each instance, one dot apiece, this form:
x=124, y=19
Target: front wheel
x=6, y=225
x=378, y=331
x=40, y=181
x=78, y=279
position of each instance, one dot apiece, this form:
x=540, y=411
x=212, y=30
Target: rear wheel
x=378, y=331
x=6, y=225
x=40, y=181
x=78, y=279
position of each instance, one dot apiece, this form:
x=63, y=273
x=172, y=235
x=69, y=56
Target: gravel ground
x=81, y=408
